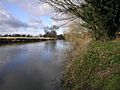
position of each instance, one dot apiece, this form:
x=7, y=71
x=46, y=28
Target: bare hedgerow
x=80, y=38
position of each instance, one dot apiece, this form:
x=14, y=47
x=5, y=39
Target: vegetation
x=97, y=69
x=22, y=38
x=93, y=65
x=16, y=35
x=102, y=17
x=51, y=31
x=9, y=40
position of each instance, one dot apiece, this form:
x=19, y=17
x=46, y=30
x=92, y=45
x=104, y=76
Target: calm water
x=35, y=66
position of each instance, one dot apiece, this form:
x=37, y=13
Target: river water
x=33, y=66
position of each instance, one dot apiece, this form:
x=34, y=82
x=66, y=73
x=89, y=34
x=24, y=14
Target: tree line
x=52, y=32
x=101, y=17
x=16, y=35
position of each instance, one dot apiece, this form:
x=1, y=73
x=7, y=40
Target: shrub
x=98, y=69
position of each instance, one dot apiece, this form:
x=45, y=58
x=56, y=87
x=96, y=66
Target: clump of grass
x=97, y=69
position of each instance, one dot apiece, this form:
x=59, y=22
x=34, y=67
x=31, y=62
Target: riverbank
x=97, y=69
x=6, y=40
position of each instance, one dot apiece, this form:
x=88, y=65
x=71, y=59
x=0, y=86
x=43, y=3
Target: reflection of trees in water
x=34, y=66
x=50, y=45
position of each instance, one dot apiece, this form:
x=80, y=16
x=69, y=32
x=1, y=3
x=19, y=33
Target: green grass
x=98, y=69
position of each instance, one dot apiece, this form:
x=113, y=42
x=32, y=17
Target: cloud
x=11, y=24
x=33, y=7
x=35, y=23
x=7, y=20
x=34, y=10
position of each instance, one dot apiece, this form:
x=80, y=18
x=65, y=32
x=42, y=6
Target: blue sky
x=24, y=16
x=16, y=11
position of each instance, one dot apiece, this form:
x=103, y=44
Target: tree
x=51, y=31
x=102, y=17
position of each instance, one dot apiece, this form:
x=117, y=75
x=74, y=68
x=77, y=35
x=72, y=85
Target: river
x=32, y=66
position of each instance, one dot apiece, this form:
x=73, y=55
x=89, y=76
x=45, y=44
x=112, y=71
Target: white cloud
x=35, y=23
x=33, y=7
x=11, y=24
x=7, y=21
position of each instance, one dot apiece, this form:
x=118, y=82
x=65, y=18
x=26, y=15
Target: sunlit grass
x=25, y=38
x=98, y=69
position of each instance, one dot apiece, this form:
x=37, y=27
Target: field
x=23, y=39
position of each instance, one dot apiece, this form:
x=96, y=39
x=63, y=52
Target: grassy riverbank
x=4, y=40
x=97, y=69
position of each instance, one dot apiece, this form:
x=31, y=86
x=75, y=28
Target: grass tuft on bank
x=97, y=69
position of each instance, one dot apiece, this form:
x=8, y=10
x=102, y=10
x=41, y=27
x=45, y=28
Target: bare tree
x=101, y=16
x=51, y=31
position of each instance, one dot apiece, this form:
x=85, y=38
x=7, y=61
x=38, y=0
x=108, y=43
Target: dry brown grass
x=117, y=39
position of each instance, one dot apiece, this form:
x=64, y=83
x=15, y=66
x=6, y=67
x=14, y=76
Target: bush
x=98, y=69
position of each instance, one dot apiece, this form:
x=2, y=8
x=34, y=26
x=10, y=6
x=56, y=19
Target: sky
x=25, y=17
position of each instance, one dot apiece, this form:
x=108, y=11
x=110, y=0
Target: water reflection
x=35, y=66
x=50, y=46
